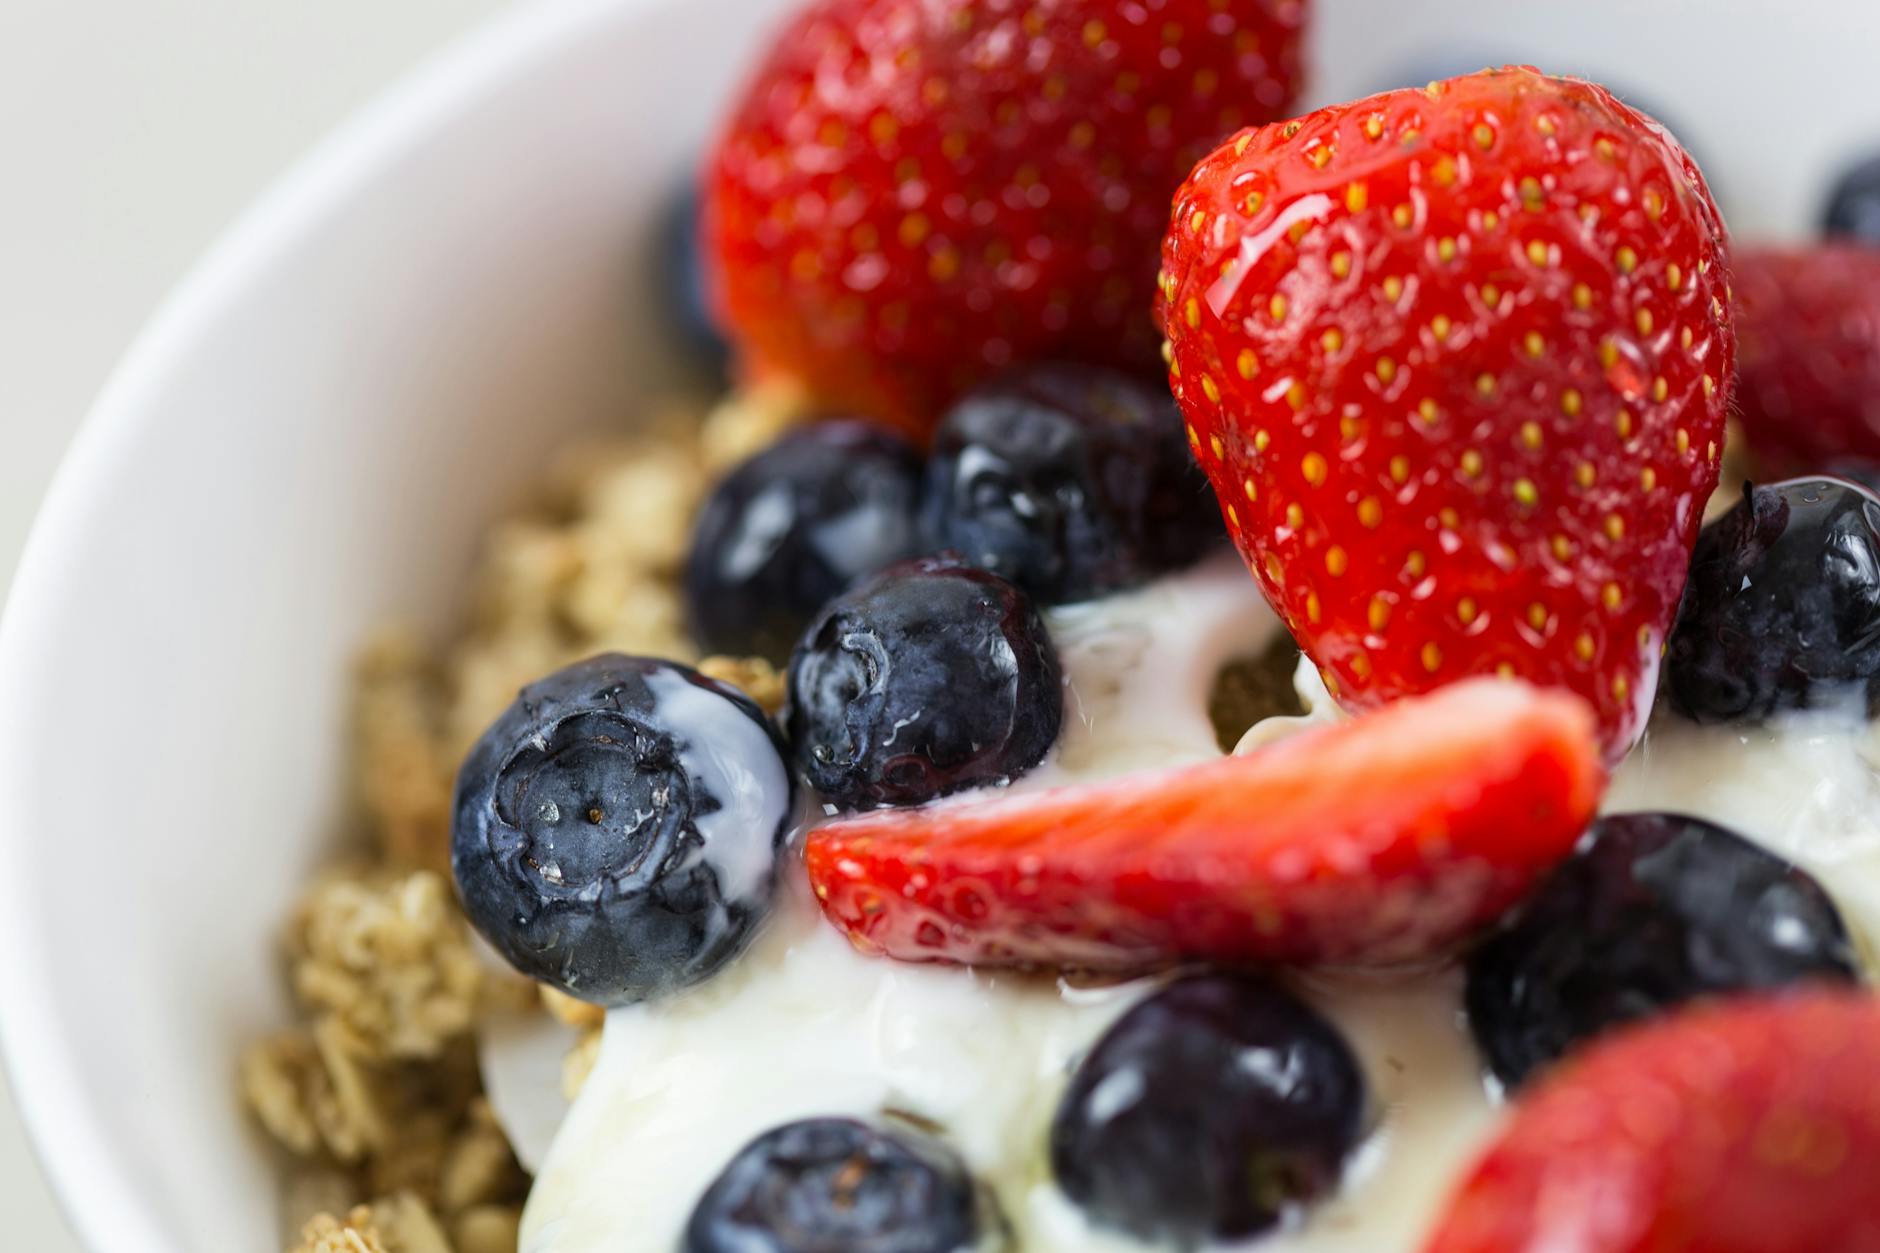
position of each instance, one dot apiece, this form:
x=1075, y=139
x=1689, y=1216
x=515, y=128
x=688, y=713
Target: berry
x=1213, y=1110
x=1456, y=362
x=1446, y=60
x=794, y=527
x=834, y=1185
x=1749, y=1126
x=1808, y=380
x=615, y=831
x=1651, y=911
x=1380, y=840
x=913, y=195
x=1855, y=470
x=682, y=278
x=1069, y=481
x=1783, y=607
x=1854, y=204
x=932, y=677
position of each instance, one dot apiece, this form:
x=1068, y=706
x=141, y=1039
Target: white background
x=131, y=132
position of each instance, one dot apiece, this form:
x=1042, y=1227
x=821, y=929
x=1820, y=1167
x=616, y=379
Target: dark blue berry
x=792, y=528
x=1854, y=204
x=834, y=1185
x=616, y=830
x=1651, y=911
x=1214, y=1110
x=1855, y=470
x=1070, y=481
x=1782, y=610
x=681, y=273
x=932, y=677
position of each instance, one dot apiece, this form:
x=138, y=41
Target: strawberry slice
x=1808, y=381
x=1456, y=361
x=1379, y=840
x=1745, y=1127
x=913, y=194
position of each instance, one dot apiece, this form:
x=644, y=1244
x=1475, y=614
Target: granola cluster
x=374, y=1094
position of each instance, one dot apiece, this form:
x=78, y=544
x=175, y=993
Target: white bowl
x=310, y=435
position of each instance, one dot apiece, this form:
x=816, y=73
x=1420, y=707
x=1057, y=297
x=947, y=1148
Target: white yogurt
x=803, y=1025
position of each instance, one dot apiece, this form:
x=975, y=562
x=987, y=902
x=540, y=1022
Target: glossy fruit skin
x=1808, y=381
x=1449, y=61
x=794, y=527
x=1783, y=607
x=1465, y=421
x=914, y=195
x=1747, y=1126
x=1071, y=481
x=931, y=677
x=1168, y=1133
x=836, y=1185
x=1856, y=470
x=1382, y=840
x=615, y=831
x=1652, y=910
x=1853, y=210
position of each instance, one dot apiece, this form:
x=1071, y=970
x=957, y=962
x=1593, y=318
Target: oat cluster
x=374, y=1094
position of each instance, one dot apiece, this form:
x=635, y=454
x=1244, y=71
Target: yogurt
x=803, y=1025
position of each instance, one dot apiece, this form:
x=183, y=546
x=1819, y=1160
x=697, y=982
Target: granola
x=375, y=1094
x=327, y=1234
x=757, y=678
x=396, y=1224
x=390, y=958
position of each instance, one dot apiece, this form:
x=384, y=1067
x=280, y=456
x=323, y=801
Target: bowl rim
x=86, y=1172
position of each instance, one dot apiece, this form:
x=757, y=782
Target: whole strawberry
x=1808, y=382
x=913, y=194
x=1456, y=360
x=1745, y=1127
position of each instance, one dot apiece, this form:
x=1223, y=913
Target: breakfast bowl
x=317, y=429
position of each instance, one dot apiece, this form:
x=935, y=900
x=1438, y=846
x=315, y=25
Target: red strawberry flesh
x=1456, y=362
x=914, y=194
x=1808, y=382
x=1745, y=1127
x=1380, y=840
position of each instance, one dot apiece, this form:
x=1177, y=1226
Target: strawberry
x=1750, y=1126
x=912, y=194
x=1808, y=380
x=1456, y=361
x=1378, y=840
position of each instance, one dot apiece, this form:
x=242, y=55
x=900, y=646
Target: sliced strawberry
x=1456, y=361
x=912, y=194
x=1378, y=840
x=1808, y=381
x=1743, y=1127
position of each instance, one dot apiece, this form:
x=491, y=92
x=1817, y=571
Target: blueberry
x=1651, y=911
x=1782, y=610
x=932, y=677
x=1069, y=480
x=1854, y=204
x=681, y=273
x=792, y=528
x=834, y=1185
x=1855, y=470
x=1211, y=1111
x=616, y=830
